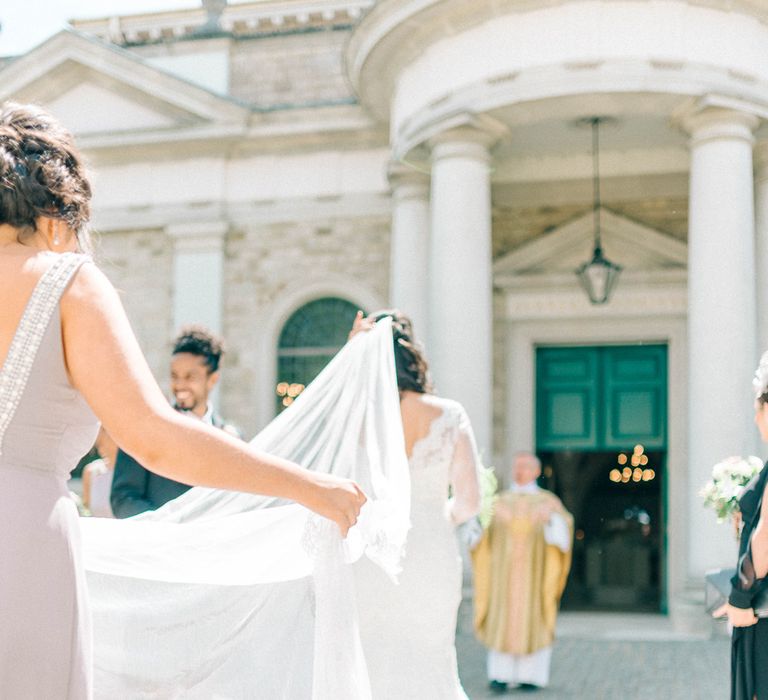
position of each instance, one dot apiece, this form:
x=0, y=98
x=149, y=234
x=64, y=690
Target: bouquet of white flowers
x=729, y=477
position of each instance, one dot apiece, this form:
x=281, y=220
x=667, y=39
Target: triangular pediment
x=634, y=246
x=90, y=107
x=94, y=87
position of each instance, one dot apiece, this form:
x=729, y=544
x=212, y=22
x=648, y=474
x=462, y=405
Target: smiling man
x=194, y=373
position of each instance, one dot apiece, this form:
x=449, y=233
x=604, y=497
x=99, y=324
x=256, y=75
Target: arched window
x=310, y=338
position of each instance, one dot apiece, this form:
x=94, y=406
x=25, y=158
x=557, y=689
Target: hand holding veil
x=231, y=595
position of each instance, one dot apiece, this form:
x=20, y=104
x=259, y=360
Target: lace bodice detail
x=436, y=447
x=445, y=461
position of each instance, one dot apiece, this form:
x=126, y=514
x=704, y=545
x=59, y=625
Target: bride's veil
x=229, y=595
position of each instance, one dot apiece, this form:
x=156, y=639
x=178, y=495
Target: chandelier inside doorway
x=599, y=275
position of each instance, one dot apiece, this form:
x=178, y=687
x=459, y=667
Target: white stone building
x=428, y=154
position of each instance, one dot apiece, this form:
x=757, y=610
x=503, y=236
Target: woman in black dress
x=749, y=644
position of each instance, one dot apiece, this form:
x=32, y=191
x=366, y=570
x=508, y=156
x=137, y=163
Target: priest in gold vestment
x=521, y=565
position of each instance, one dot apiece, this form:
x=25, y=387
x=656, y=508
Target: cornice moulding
x=573, y=303
x=715, y=107
x=243, y=214
x=394, y=33
x=237, y=19
x=546, y=282
x=542, y=85
x=198, y=229
x=323, y=128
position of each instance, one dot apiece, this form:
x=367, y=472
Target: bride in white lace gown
x=408, y=631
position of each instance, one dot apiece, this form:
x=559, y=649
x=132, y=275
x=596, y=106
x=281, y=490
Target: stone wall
x=265, y=263
x=260, y=265
x=140, y=265
x=290, y=70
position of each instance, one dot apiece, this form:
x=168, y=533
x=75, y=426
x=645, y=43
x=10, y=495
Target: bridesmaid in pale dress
x=53, y=378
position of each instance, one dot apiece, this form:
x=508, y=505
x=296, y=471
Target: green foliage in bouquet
x=729, y=477
x=489, y=485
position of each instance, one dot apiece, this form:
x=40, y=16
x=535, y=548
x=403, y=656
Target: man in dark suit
x=194, y=373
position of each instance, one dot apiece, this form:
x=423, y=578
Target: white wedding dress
x=408, y=631
x=228, y=595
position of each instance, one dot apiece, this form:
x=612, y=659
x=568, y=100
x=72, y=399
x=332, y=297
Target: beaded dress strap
x=29, y=334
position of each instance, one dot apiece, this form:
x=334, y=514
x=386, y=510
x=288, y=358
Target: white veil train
x=228, y=595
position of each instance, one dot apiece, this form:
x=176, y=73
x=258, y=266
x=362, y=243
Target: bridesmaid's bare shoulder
x=20, y=271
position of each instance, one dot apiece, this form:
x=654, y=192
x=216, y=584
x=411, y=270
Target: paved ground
x=614, y=656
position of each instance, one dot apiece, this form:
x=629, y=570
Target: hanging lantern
x=598, y=276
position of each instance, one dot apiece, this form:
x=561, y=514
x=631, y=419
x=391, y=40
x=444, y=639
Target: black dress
x=749, y=645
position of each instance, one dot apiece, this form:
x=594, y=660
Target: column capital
x=198, y=235
x=709, y=120
x=406, y=181
x=463, y=142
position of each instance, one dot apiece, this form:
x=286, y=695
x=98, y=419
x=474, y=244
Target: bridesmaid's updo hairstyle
x=410, y=362
x=41, y=172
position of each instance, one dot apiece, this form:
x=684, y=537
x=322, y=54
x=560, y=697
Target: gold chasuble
x=519, y=578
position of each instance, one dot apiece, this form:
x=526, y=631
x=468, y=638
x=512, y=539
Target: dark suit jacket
x=136, y=489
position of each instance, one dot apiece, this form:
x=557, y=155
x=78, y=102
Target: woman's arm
x=758, y=545
x=107, y=366
x=752, y=567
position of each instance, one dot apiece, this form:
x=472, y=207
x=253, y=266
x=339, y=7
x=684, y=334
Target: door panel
x=635, y=381
x=568, y=415
x=596, y=398
x=567, y=402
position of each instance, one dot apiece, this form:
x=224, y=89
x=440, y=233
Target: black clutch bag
x=717, y=589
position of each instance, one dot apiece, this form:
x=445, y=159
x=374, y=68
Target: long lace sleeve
x=464, y=473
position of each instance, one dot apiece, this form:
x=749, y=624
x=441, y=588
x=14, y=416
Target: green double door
x=601, y=432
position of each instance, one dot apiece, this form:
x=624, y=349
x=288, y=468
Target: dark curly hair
x=410, y=362
x=198, y=340
x=41, y=172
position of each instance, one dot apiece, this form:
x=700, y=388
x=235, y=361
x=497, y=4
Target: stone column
x=409, y=257
x=198, y=277
x=761, y=244
x=198, y=273
x=460, y=275
x=722, y=318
